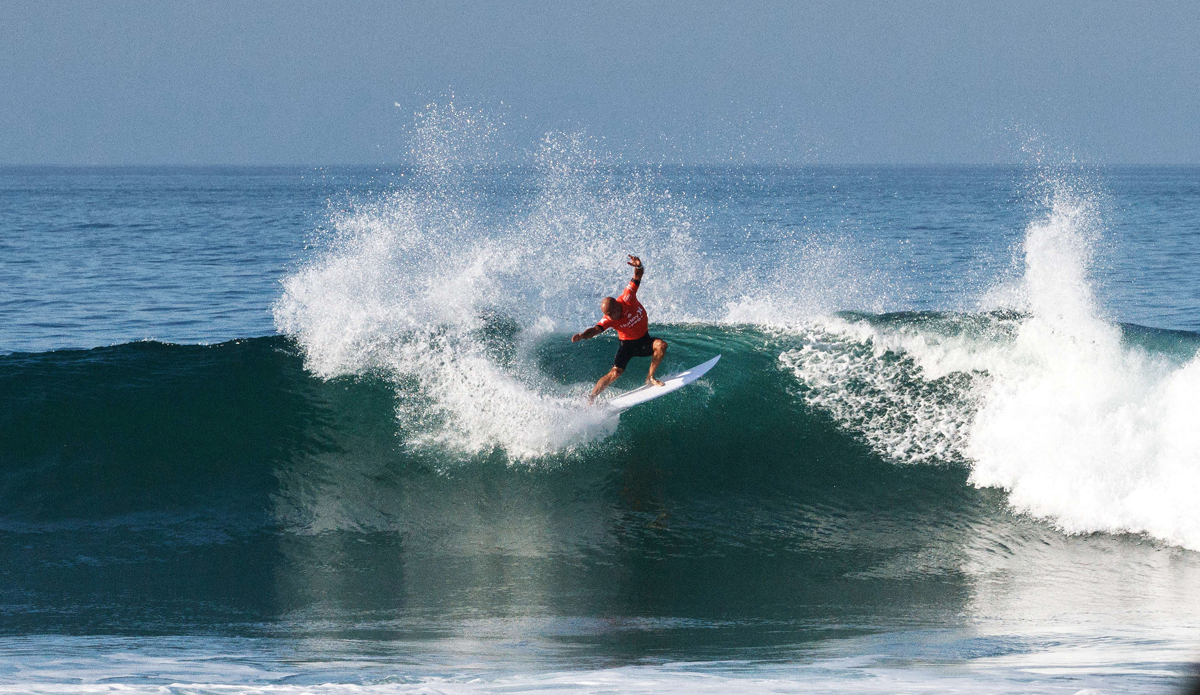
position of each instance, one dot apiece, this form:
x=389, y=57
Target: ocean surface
x=309, y=430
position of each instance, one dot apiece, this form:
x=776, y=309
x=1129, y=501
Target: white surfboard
x=670, y=383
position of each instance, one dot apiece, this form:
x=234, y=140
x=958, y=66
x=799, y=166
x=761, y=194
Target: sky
x=324, y=83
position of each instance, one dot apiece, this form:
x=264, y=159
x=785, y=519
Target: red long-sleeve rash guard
x=634, y=323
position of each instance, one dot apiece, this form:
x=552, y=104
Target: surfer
x=627, y=315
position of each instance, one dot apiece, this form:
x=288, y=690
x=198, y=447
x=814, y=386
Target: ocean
x=323, y=429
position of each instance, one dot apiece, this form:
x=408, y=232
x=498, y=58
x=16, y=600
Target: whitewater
x=310, y=430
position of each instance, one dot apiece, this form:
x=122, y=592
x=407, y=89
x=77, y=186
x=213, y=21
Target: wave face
x=147, y=486
x=143, y=427
x=242, y=434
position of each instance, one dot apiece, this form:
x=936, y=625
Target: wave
x=426, y=358
x=433, y=290
x=833, y=411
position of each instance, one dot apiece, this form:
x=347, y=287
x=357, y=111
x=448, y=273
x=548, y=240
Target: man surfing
x=628, y=317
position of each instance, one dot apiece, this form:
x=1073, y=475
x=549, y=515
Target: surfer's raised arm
x=637, y=269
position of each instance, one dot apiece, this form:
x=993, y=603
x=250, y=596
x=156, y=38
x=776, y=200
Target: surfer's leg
x=660, y=349
x=605, y=381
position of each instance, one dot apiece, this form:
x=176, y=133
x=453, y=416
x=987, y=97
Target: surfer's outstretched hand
x=634, y=261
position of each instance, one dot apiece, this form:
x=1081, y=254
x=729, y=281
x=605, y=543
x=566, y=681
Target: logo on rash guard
x=633, y=323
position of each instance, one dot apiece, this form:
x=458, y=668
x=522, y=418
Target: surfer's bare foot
x=655, y=382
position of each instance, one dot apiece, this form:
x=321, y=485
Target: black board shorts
x=641, y=347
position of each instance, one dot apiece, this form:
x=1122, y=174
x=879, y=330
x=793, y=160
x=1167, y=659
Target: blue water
x=105, y=256
x=311, y=428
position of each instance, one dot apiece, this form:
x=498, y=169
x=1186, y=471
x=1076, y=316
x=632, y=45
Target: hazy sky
x=207, y=82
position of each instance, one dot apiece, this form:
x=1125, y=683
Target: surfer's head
x=611, y=308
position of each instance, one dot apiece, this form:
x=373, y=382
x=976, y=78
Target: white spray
x=1050, y=404
x=409, y=281
x=1077, y=426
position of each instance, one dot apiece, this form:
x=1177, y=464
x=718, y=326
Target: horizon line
x=773, y=165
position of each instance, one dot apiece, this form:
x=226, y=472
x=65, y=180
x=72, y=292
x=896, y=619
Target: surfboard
x=671, y=383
